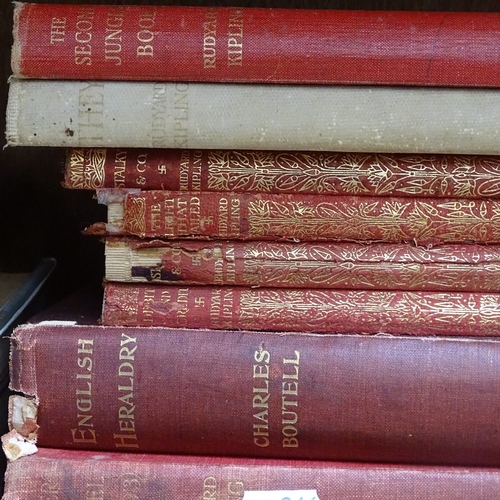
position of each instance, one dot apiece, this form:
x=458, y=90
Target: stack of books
x=302, y=245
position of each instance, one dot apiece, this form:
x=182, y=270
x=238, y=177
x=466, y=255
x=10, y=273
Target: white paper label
x=281, y=495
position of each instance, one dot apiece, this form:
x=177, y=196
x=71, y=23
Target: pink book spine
x=255, y=45
x=324, y=172
x=296, y=309
x=263, y=216
x=343, y=265
x=382, y=398
x=81, y=475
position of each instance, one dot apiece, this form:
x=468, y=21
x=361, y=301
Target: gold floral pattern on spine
x=135, y=222
x=373, y=252
x=379, y=219
x=354, y=173
x=378, y=276
x=127, y=301
x=87, y=168
x=373, y=266
x=371, y=312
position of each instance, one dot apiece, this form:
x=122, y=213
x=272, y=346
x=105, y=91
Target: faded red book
x=298, y=217
x=465, y=176
x=393, y=399
x=236, y=44
x=302, y=309
x=80, y=475
x=341, y=265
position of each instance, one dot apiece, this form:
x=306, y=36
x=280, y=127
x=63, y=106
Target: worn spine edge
x=16, y=52
x=118, y=262
x=22, y=408
x=22, y=361
x=21, y=439
x=115, y=217
x=22, y=416
x=12, y=114
x=114, y=199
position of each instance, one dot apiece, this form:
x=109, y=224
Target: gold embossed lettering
x=260, y=399
x=84, y=436
x=146, y=33
x=235, y=38
x=183, y=306
x=131, y=486
x=156, y=221
x=209, y=38
x=83, y=35
x=84, y=415
x=235, y=216
x=119, y=168
x=235, y=490
x=227, y=309
x=209, y=488
x=184, y=170
x=126, y=411
x=215, y=305
x=196, y=171
x=95, y=489
x=194, y=214
x=182, y=216
x=289, y=398
x=113, y=36
x=169, y=217
x=57, y=30
x=51, y=487
x=141, y=162
x=223, y=217
x=147, y=305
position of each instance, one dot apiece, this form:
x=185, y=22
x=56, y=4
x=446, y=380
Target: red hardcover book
x=461, y=176
x=393, y=399
x=80, y=475
x=342, y=265
x=236, y=44
x=306, y=217
x=302, y=309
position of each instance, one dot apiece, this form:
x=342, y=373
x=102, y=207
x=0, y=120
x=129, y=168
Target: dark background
x=38, y=218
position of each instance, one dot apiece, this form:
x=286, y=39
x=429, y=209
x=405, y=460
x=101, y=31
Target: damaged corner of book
x=20, y=441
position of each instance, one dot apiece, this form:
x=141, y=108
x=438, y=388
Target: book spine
x=81, y=475
x=397, y=399
x=253, y=116
x=263, y=216
x=284, y=172
x=255, y=45
x=466, y=267
x=302, y=309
